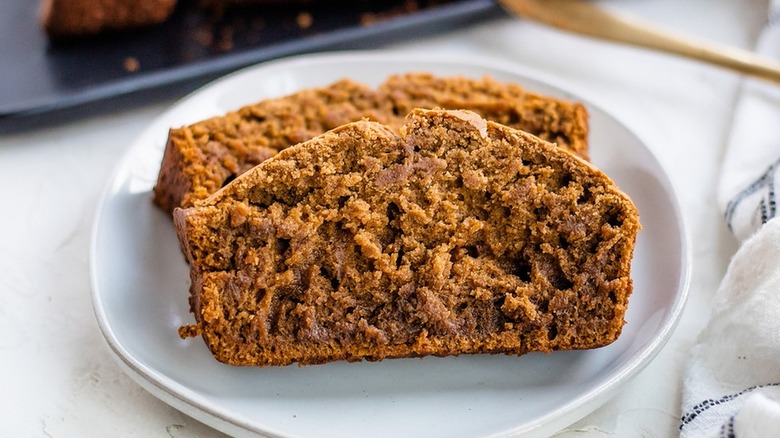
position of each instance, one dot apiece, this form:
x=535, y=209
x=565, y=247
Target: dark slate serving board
x=39, y=76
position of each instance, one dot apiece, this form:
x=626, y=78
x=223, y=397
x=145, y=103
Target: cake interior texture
x=451, y=235
x=201, y=158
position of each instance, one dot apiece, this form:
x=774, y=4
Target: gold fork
x=581, y=17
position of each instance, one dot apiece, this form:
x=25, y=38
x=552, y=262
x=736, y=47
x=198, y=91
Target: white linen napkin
x=732, y=379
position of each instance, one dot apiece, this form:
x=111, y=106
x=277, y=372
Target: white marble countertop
x=57, y=375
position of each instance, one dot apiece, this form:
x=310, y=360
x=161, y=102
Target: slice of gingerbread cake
x=452, y=235
x=201, y=158
x=557, y=121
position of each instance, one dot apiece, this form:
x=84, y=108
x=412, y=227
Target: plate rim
x=183, y=399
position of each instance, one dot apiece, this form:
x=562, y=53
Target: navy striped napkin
x=732, y=378
x=750, y=173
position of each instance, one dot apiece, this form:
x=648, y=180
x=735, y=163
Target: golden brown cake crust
x=456, y=236
x=201, y=158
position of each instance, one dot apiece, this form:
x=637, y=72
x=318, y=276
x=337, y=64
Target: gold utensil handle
x=584, y=18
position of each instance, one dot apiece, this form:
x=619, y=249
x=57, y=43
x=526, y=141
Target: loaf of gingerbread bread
x=451, y=235
x=199, y=159
x=79, y=17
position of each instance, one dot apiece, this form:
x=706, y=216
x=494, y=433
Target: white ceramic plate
x=140, y=289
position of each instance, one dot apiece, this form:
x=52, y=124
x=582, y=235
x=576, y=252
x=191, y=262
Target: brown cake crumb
x=225, y=42
x=407, y=7
x=304, y=20
x=456, y=236
x=131, y=64
x=201, y=158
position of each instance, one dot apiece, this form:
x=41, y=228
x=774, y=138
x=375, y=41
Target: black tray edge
x=186, y=78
